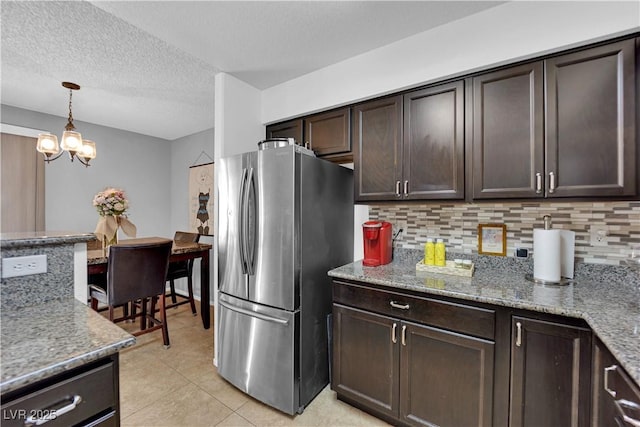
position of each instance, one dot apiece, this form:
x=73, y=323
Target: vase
x=106, y=242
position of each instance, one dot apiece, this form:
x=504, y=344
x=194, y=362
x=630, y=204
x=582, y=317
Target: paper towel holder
x=563, y=280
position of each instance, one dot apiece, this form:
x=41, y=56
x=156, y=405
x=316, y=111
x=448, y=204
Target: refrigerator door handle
x=250, y=313
x=241, y=221
x=250, y=246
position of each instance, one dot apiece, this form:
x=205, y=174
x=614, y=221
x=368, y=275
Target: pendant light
x=71, y=142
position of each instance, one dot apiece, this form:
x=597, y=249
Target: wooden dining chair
x=136, y=274
x=180, y=269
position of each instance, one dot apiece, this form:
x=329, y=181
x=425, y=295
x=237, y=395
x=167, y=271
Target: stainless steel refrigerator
x=285, y=219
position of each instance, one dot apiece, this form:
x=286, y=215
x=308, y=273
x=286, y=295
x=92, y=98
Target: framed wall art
x=201, y=203
x=492, y=239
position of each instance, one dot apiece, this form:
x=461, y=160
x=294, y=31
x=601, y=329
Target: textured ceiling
x=149, y=67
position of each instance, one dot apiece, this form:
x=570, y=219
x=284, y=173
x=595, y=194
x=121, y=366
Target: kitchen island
x=58, y=358
x=501, y=344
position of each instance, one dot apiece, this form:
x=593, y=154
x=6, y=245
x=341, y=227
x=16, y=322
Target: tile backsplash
x=457, y=224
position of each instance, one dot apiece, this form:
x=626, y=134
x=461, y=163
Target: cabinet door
x=446, y=378
x=290, y=129
x=366, y=359
x=550, y=374
x=508, y=144
x=616, y=398
x=329, y=133
x=433, y=148
x=377, y=149
x=591, y=115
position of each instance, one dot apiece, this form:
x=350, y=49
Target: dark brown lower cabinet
x=616, y=399
x=550, y=374
x=83, y=396
x=411, y=374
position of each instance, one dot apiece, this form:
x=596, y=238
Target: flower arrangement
x=111, y=201
x=111, y=204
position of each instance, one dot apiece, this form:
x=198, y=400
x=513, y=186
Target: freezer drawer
x=259, y=352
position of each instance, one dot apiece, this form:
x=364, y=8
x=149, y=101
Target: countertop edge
x=16, y=240
x=60, y=367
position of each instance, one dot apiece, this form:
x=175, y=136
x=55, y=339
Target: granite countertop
x=35, y=238
x=47, y=339
x=606, y=297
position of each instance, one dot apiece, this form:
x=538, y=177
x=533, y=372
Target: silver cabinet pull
x=518, y=334
x=398, y=193
x=627, y=404
x=400, y=306
x=51, y=414
x=404, y=335
x=394, y=338
x=552, y=182
x=606, y=379
x=538, y=183
x=406, y=188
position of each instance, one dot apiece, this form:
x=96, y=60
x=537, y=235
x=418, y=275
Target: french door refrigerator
x=285, y=220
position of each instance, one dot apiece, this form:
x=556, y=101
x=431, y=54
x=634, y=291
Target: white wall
x=237, y=130
x=137, y=163
x=503, y=34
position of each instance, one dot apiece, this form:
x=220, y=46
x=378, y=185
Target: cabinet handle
x=518, y=334
x=552, y=182
x=538, y=183
x=49, y=414
x=400, y=306
x=606, y=379
x=394, y=339
x=404, y=335
x=398, y=193
x=406, y=188
x=627, y=404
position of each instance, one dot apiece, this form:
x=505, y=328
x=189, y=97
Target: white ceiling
x=149, y=66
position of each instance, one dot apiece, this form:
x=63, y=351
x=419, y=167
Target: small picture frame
x=492, y=239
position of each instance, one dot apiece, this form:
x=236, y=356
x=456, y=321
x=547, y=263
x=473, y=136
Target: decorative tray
x=450, y=268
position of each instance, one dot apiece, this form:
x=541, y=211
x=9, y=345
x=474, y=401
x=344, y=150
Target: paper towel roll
x=568, y=249
x=546, y=255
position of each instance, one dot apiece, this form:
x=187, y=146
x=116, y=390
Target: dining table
x=97, y=260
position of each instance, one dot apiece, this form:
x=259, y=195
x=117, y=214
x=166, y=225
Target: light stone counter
x=47, y=339
x=606, y=297
x=44, y=330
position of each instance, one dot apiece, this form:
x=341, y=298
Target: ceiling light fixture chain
x=82, y=149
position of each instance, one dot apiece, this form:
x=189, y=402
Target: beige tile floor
x=181, y=387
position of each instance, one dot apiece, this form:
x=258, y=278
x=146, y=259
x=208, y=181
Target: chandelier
x=82, y=149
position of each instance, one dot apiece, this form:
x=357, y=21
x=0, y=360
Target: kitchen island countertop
x=44, y=340
x=606, y=297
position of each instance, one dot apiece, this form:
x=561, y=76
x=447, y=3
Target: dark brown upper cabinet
x=289, y=129
x=508, y=133
x=329, y=134
x=433, y=146
x=590, y=120
x=377, y=148
x=562, y=127
x=411, y=147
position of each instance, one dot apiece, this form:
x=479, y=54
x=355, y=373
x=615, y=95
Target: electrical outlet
x=598, y=235
x=24, y=265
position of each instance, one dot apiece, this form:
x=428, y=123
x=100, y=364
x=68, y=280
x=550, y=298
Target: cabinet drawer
x=93, y=392
x=456, y=317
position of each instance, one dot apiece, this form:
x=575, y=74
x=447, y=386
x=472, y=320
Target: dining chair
x=180, y=269
x=136, y=274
